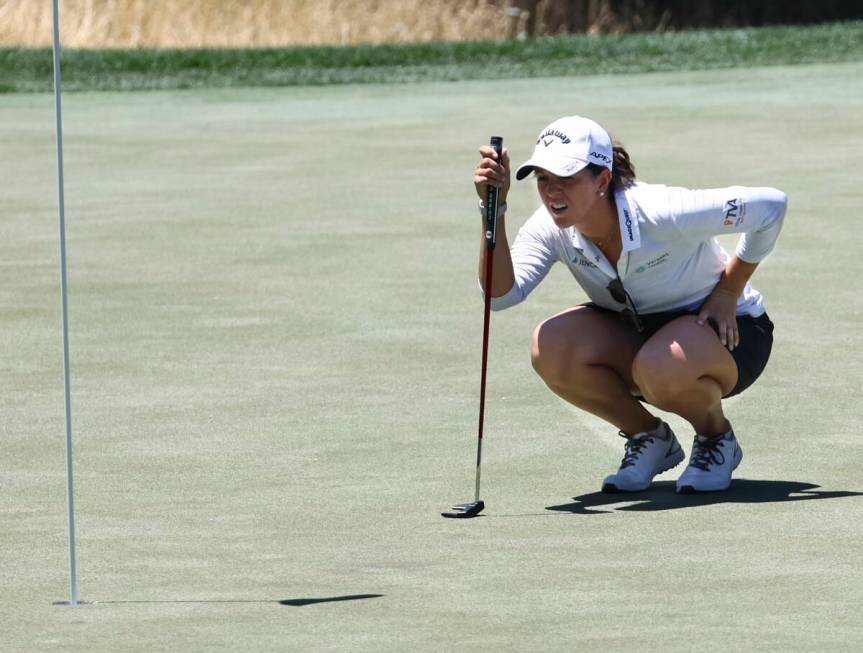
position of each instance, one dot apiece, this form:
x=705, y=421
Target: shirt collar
x=591, y=252
x=627, y=215
x=579, y=241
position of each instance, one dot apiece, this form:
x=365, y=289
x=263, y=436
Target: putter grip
x=491, y=200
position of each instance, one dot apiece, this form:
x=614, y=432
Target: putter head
x=465, y=510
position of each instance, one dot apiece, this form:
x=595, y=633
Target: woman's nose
x=554, y=187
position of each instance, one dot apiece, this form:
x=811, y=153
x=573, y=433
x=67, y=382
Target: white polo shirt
x=671, y=259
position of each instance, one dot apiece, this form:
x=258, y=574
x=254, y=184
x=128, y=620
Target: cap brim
x=566, y=169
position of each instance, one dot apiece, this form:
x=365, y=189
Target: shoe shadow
x=662, y=496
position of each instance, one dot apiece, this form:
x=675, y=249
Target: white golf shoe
x=710, y=464
x=647, y=454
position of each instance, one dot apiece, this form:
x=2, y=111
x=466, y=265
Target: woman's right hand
x=491, y=172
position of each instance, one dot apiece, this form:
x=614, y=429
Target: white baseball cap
x=567, y=145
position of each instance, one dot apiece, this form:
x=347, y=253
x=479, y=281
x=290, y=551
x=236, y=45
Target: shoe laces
x=634, y=447
x=707, y=451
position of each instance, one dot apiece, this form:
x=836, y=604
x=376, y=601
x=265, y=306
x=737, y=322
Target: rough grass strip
x=29, y=70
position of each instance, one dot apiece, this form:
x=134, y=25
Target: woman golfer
x=672, y=320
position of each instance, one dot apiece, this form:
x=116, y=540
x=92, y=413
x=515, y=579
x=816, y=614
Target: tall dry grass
x=247, y=23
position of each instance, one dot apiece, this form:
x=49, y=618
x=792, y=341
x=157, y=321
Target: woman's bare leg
x=586, y=357
x=684, y=369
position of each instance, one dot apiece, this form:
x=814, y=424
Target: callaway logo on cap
x=567, y=145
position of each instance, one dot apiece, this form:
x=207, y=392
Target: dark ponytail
x=622, y=171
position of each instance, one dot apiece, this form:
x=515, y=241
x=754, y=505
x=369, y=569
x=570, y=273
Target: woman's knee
x=671, y=364
x=659, y=375
x=554, y=353
x=548, y=353
x=564, y=348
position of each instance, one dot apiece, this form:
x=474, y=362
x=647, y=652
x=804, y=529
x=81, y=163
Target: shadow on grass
x=354, y=597
x=297, y=603
x=662, y=496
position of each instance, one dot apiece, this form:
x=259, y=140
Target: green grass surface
x=25, y=70
x=275, y=352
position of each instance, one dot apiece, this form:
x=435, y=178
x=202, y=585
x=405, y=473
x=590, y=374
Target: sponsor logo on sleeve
x=735, y=211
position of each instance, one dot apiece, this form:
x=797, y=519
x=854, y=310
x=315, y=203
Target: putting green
x=275, y=338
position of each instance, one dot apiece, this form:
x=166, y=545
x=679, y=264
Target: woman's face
x=569, y=200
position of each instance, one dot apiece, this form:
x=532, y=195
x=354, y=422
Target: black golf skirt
x=751, y=355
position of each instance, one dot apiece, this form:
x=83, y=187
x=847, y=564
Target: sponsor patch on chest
x=580, y=261
x=653, y=263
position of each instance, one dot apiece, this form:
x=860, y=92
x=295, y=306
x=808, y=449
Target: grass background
x=275, y=354
x=29, y=70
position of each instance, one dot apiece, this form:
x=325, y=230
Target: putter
x=473, y=508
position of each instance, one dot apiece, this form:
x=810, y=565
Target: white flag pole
x=70, y=500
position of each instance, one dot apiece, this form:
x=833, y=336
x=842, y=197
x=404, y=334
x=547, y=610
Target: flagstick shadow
x=297, y=603
x=662, y=496
x=301, y=602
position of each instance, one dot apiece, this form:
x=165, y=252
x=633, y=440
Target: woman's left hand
x=720, y=307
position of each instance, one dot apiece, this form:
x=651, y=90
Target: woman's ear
x=604, y=181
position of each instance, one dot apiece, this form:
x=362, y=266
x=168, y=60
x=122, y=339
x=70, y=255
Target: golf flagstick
x=70, y=495
x=471, y=509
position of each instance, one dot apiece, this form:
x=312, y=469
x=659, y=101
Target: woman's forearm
x=736, y=276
